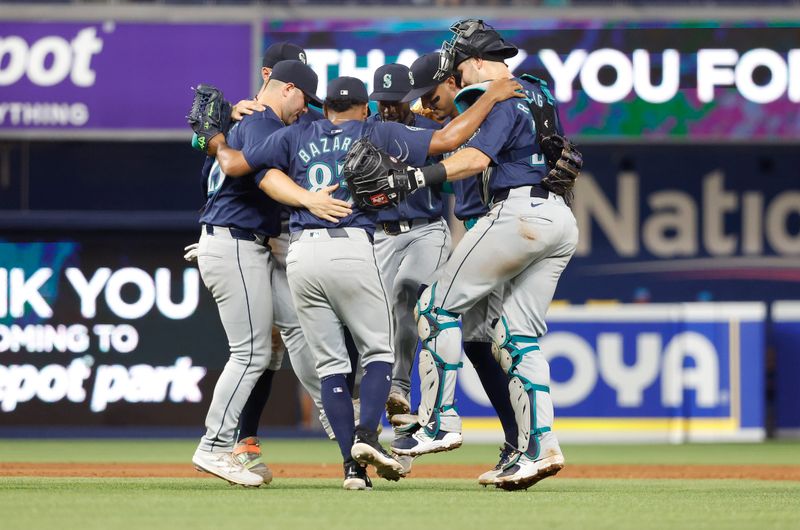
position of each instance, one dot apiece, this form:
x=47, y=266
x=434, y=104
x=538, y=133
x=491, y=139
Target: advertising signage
x=113, y=78
x=615, y=80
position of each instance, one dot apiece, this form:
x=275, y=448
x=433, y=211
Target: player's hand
x=191, y=252
x=246, y=107
x=423, y=111
x=321, y=204
x=503, y=89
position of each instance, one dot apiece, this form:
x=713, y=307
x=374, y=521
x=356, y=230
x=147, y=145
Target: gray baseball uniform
x=407, y=260
x=412, y=240
x=332, y=269
x=234, y=262
x=335, y=282
x=285, y=315
x=524, y=243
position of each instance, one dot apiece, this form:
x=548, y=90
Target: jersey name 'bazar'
x=338, y=144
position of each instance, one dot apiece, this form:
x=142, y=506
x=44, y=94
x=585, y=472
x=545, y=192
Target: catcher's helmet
x=472, y=38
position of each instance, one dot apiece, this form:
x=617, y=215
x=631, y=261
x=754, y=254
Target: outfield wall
x=113, y=330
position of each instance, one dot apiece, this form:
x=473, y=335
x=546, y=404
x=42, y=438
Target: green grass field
x=149, y=504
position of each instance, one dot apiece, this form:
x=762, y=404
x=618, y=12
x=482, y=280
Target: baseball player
x=412, y=240
x=438, y=96
x=524, y=242
x=331, y=265
x=248, y=447
x=234, y=263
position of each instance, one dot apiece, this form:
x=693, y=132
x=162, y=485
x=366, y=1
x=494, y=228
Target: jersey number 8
x=320, y=175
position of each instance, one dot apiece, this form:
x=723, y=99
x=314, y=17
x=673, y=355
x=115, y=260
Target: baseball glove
x=376, y=180
x=565, y=163
x=210, y=115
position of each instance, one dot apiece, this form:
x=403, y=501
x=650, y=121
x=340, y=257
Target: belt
x=333, y=233
x=238, y=233
x=536, y=191
x=393, y=228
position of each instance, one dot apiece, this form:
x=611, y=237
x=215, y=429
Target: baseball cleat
x=226, y=467
x=397, y=403
x=248, y=453
x=506, y=452
x=421, y=443
x=367, y=450
x=355, y=477
x=525, y=472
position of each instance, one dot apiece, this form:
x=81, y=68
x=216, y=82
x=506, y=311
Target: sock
x=339, y=409
x=251, y=413
x=375, y=384
x=352, y=352
x=495, y=383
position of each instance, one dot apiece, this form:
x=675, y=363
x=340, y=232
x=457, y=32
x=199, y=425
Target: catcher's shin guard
x=437, y=388
x=533, y=408
x=438, y=364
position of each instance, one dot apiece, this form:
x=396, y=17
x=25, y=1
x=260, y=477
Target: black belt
x=332, y=232
x=393, y=228
x=238, y=233
x=536, y=191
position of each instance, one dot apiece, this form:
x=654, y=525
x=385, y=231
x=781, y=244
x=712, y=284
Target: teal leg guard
x=437, y=369
x=534, y=417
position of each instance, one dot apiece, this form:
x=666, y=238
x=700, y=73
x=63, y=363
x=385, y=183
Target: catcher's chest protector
x=543, y=110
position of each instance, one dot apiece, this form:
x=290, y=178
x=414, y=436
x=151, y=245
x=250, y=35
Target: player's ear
x=325, y=110
x=365, y=111
x=265, y=73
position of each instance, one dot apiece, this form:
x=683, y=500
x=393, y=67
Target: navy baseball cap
x=423, y=69
x=391, y=82
x=283, y=51
x=300, y=75
x=345, y=87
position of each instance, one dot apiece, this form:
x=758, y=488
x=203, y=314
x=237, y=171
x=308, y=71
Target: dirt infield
x=127, y=470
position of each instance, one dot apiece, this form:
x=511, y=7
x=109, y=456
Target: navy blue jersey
x=237, y=202
x=425, y=203
x=467, y=195
x=507, y=136
x=468, y=198
x=312, y=154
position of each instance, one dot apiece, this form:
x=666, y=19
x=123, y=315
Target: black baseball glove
x=565, y=163
x=376, y=180
x=210, y=115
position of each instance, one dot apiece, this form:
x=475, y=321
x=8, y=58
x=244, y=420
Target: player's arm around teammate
x=234, y=163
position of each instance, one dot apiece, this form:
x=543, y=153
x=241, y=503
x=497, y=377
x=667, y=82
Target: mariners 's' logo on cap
x=344, y=92
x=387, y=81
x=411, y=78
x=302, y=57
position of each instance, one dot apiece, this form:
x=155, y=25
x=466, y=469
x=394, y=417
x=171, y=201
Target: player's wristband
x=196, y=143
x=431, y=175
